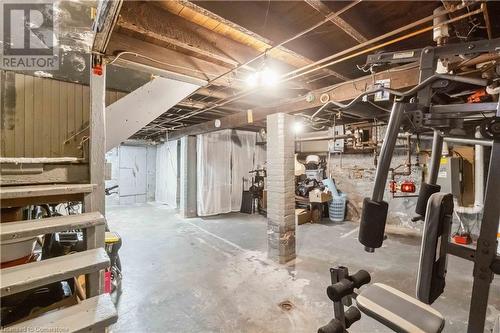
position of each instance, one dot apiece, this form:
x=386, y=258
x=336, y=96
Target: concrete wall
x=133, y=168
x=354, y=174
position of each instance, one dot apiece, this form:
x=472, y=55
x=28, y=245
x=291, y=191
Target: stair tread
x=24, y=277
x=26, y=191
x=95, y=312
x=30, y=228
x=40, y=160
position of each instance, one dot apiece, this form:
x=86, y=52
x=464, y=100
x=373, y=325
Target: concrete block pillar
x=280, y=188
x=187, y=206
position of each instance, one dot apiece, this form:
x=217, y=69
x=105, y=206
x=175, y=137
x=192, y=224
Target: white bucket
x=17, y=248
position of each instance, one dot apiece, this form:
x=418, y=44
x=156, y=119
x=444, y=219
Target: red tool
x=408, y=186
x=462, y=239
x=393, y=186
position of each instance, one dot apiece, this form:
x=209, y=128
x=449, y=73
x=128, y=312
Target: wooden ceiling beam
x=221, y=26
x=337, y=20
x=167, y=59
x=400, y=79
x=144, y=20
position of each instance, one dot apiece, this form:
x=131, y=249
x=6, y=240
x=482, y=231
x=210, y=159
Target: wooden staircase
x=94, y=313
x=28, y=179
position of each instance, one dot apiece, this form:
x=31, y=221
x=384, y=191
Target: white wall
x=133, y=168
x=166, y=173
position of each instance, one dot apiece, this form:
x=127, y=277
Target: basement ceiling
x=206, y=39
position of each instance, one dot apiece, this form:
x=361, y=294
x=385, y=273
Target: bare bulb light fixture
x=266, y=77
x=298, y=127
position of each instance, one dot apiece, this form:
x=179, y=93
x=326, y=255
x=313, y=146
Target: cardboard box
x=302, y=216
x=318, y=196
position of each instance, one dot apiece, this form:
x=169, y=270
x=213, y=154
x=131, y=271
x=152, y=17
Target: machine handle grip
x=334, y=326
x=340, y=289
x=360, y=278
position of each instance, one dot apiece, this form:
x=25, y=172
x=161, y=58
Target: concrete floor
x=212, y=274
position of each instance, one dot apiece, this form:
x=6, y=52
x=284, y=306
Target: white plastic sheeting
x=214, y=173
x=224, y=159
x=166, y=173
x=242, y=156
x=260, y=157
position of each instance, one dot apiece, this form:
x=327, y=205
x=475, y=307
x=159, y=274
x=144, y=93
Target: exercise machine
x=389, y=306
x=419, y=110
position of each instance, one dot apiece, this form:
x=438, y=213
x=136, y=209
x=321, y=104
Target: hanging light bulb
x=298, y=127
x=266, y=77
x=252, y=80
x=269, y=77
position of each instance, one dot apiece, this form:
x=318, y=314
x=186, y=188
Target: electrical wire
x=300, y=72
x=211, y=81
x=122, y=53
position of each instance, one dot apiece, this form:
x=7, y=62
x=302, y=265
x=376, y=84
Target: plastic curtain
x=242, y=157
x=214, y=173
x=224, y=159
x=260, y=157
x=166, y=173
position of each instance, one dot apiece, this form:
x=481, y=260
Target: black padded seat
x=398, y=311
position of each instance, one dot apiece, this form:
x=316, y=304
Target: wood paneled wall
x=42, y=117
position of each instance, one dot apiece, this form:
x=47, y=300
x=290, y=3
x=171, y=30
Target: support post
x=280, y=188
x=486, y=244
x=94, y=201
x=187, y=206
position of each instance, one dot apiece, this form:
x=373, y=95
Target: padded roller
x=340, y=289
x=362, y=277
x=334, y=326
x=372, y=224
x=352, y=315
x=426, y=190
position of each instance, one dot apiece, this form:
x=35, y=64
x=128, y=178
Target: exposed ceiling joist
x=200, y=105
x=400, y=79
x=338, y=21
x=144, y=20
x=215, y=23
x=168, y=59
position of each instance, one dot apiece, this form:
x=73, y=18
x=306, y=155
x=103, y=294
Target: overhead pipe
x=378, y=46
x=243, y=94
x=325, y=137
x=376, y=39
x=479, y=144
x=455, y=139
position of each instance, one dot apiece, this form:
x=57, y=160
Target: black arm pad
x=334, y=326
x=340, y=289
x=426, y=190
x=352, y=315
x=360, y=278
x=372, y=224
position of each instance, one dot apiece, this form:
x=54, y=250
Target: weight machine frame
x=416, y=105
